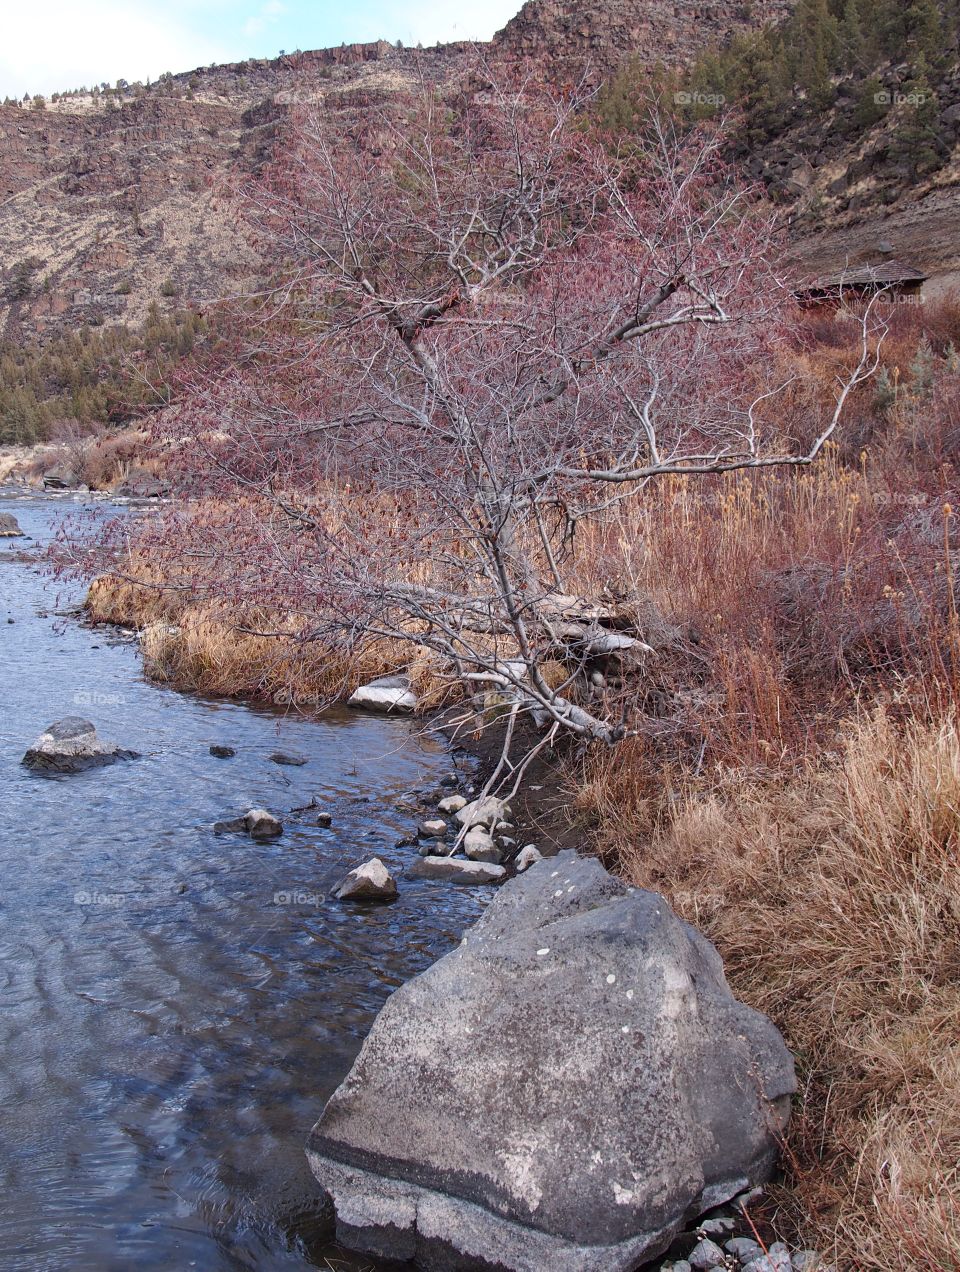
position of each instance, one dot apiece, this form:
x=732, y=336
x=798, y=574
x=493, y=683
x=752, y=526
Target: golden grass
x=833, y=896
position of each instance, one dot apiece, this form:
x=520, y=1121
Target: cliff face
x=602, y=35
x=107, y=204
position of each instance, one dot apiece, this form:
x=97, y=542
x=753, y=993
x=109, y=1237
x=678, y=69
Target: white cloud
x=61, y=44
x=265, y=17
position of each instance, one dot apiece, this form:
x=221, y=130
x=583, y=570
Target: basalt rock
x=570, y=1088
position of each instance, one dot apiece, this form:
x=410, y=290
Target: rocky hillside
x=111, y=201
x=569, y=35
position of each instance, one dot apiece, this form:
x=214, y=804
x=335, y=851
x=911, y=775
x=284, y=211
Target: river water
x=176, y=1006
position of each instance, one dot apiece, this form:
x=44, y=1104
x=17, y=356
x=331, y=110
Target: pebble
x=762, y=1264
x=717, y=1226
x=779, y=1256
x=706, y=1254
x=743, y=1248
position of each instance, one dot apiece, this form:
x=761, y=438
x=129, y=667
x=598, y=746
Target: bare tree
x=488, y=325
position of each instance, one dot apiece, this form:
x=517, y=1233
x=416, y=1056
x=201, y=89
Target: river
x=176, y=1006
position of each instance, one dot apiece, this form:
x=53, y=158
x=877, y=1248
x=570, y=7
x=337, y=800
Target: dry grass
x=834, y=898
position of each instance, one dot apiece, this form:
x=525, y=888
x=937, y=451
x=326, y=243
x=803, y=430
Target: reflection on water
x=176, y=1006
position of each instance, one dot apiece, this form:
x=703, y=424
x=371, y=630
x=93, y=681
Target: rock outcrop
x=71, y=745
x=9, y=526
x=566, y=1090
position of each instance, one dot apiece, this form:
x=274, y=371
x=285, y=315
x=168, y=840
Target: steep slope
x=569, y=35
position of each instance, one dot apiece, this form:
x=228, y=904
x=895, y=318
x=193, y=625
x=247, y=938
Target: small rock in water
x=370, y=882
x=71, y=745
x=479, y=846
x=457, y=871
x=706, y=1254
x=452, y=804
x=435, y=828
x=527, y=857
x=388, y=693
x=743, y=1248
x=260, y=824
x=324, y=820
x=284, y=757
x=222, y=752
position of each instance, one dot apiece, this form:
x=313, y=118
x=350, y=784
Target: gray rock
x=370, y=882
x=286, y=757
x=230, y=826
x=706, y=1254
x=70, y=746
x=763, y=1264
x=717, y=1227
x=222, y=752
x=743, y=1248
x=681, y=1265
x=260, y=824
x=388, y=693
x=473, y=1132
x=779, y=1256
x=140, y=483
x=435, y=828
x=527, y=857
x=456, y=870
x=479, y=846
x=10, y=529
x=324, y=820
x=487, y=812
x=60, y=477
x=452, y=804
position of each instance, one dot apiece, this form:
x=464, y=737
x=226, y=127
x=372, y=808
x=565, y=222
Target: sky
x=49, y=45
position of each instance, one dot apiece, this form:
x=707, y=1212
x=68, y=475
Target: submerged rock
x=286, y=757
x=222, y=752
x=370, y=882
x=455, y=870
x=71, y=745
x=388, y=693
x=568, y=1089
x=9, y=526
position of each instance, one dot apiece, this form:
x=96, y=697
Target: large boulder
x=567, y=1090
x=388, y=693
x=9, y=526
x=60, y=477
